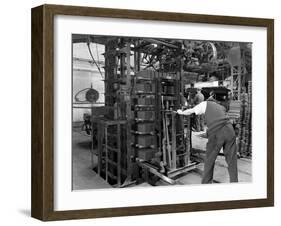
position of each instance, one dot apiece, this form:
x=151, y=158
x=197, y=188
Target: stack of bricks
x=245, y=132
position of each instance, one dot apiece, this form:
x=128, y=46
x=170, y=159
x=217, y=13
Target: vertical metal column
x=92, y=143
x=100, y=147
x=128, y=111
x=118, y=155
x=106, y=154
x=174, y=140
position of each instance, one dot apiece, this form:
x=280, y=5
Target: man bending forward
x=220, y=134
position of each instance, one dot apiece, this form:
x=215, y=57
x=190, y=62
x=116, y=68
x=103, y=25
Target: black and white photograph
x=160, y=112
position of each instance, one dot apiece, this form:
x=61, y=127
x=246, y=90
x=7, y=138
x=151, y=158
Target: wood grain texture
x=270, y=112
x=42, y=113
x=43, y=106
x=37, y=157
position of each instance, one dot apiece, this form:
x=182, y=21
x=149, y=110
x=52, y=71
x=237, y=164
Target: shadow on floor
x=25, y=212
x=84, y=145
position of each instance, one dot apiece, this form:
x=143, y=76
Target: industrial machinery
x=139, y=135
x=90, y=96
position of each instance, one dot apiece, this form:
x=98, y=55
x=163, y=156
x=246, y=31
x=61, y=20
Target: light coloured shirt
x=199, y=109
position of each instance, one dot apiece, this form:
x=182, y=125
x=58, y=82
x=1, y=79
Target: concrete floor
x=83, y=177
x=199, y=141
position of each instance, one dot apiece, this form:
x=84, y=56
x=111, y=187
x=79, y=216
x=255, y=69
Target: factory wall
x=82, y=80
x=85, y=75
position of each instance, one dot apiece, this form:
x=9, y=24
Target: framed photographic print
x=141, y=112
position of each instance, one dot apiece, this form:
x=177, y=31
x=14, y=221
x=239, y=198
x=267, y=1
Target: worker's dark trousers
x=224, y=137
x=199, y=120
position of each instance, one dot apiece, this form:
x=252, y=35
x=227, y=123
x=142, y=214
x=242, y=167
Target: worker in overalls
x=220, y=134
x=199, y=119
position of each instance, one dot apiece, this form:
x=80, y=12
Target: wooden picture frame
x=42, y=205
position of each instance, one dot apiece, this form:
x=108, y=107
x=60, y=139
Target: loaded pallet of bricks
x=245, y=132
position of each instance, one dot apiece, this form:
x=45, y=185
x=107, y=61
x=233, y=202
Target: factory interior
x=126, y=91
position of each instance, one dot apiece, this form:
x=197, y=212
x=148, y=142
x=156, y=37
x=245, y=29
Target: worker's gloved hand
x=180, y=112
